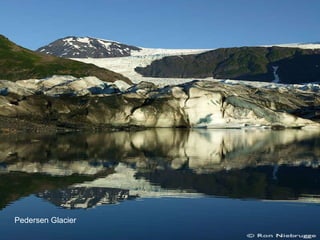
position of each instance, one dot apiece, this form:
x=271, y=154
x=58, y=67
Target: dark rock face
x=293, y=65
x=85, y=47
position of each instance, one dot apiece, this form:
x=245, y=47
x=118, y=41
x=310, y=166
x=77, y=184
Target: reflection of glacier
x=199, y=150
x=81, y=197
x=56, y=168
x=261, y=164
x=209, y=150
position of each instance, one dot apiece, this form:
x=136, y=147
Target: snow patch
x=106, y=45
x=83, y=40
x=162, y=52
x=296, y=45
x=276, y=76
x=68, y=40
x=123, y=86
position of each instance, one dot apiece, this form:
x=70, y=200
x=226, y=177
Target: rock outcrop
x=197, y=104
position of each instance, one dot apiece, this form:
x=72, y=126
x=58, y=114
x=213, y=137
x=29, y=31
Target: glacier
x=196, y=104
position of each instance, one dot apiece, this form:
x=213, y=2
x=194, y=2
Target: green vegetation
x=18, y=63
x=247, y=63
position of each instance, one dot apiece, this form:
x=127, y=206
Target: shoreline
x=10, y=126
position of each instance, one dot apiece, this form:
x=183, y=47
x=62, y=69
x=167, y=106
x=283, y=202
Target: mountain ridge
x=19, y=63
x=269, y=64
x=83, y=47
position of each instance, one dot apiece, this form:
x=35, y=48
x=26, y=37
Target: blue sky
x=163, y=23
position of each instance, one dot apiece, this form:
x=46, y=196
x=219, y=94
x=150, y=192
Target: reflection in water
x=293, y=183
x=81, y=197
x=167, y=162
x=202, y=151
x=15, y=185
x=126, y=178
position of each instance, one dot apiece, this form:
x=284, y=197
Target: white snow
x=123, y=86
x=72, y=41
x=142, y=58
x=105, y=44
x=276, y=76
x=162, y=52
x=68, y=40
x=83, y=40
x=297, y=45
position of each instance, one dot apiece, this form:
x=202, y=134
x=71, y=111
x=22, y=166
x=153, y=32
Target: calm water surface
x=161, y=184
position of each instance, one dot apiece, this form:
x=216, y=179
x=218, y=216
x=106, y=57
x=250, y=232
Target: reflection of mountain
x=283, y=183
x=81, y=197
x=264, y=182
x=124, y=177
x=14, y=186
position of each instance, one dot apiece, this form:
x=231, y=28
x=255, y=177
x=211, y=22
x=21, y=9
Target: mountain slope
x=291, y=65
x=84, y=47
x=20, y=63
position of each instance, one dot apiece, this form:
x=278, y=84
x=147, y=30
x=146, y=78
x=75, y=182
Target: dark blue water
x=165, y=218
x=162, y=184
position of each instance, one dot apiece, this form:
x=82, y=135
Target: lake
x=161, y=184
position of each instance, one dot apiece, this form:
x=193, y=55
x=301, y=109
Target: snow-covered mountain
x=84, y=47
